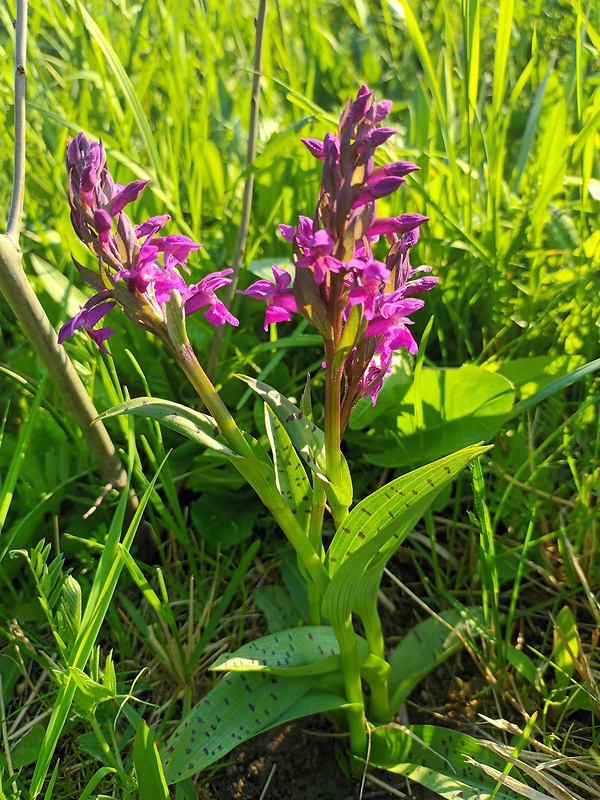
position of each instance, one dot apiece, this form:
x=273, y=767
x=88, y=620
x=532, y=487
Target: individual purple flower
x=280, y=300
x=203, y=294
x=390, y=322
x=395, y=225
x=89, y=316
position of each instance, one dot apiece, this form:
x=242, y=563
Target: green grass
x=499, y=104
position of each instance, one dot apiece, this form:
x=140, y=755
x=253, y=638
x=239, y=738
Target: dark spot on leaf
x=188, y=751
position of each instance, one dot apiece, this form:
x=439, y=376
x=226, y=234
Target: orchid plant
x=362, y=308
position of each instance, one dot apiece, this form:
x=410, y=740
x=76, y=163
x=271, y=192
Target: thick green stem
x=355, y=713
x=315, y=536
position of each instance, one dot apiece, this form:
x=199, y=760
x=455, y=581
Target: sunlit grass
x=500, y=106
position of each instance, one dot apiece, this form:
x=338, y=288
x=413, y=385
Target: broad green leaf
x=308, y=440
x=148, y=768
x=459, y=408
x=239, y=707
x=290, y=474
x=443, y=760
x=425, y=647
x=377, y=526
x=382, y=513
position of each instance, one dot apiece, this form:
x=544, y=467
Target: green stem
x=249, y=467
x=366, y=608
x=333, y=453
x=315, y=537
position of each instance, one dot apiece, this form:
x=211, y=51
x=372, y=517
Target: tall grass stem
x=240, y=244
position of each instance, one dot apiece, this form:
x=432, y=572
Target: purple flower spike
x=143, y=266
x=338, y=281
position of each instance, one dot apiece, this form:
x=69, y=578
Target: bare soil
x=297, y=762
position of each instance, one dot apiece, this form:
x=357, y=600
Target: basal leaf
x=443, y=760
x=239, y=707
x=308, y=440
x=309, y=650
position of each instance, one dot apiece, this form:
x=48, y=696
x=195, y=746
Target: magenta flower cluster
x=138, y=268
x=359, y=304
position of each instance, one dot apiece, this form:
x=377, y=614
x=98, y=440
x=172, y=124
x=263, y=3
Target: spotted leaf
x=376, y=527
x=452, y=764
x=239, y=707
x=307, y=438
x=292, y=480
x=309, y=650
